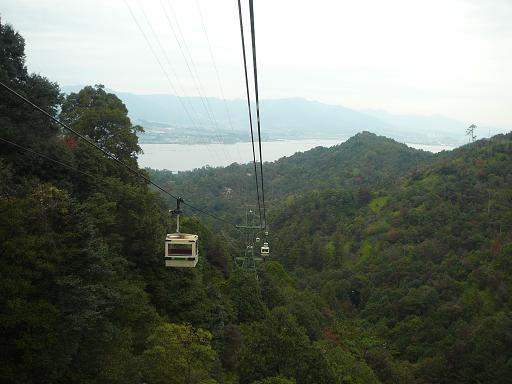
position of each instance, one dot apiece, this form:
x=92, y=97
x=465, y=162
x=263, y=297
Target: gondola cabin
x=265, y=250
x=257, y=239
x=181, y=250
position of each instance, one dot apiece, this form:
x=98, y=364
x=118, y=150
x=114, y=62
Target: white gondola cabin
x=181, y=250
x=257, y=239
x=265, y=250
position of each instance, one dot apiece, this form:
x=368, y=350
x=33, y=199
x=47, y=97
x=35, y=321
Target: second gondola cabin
x=181, y=250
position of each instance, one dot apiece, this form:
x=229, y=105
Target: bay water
x=185, y=157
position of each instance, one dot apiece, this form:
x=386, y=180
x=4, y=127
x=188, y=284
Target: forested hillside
x=388, y=264
x=362, y=161
x=426, y=261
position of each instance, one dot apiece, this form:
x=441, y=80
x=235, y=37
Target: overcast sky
x=449, y=57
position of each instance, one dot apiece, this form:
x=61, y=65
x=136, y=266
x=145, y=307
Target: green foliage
x=424, y=259
x=246, y=296
x=69, y=311
x=344, y=366
x=378, y=203
x=275, y=380
x=103, y=118
x=177, y=353
x=273, y=347
x=20, y=123
x=378, y=160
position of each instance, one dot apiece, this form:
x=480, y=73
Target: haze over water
x=183, y=157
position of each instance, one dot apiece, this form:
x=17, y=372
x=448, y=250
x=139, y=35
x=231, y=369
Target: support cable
x=255, y=68
x=169, y=81
x=46, y=157
x=193, y=74
x=249, y=106
x=217, y=74
x=160, y=64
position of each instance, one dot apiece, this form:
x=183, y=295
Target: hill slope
x=426, y=261
x=362, y=161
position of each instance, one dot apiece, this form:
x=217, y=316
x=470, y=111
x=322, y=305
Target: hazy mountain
x=166, y=116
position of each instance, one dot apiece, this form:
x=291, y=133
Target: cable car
x=257, y=239
x=265, y=250
x=181, y=250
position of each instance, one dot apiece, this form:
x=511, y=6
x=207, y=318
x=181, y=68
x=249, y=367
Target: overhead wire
x=255, y=69
x=193, y=73
x=249, y=106
x=46, y=157
x=69, y=166
x=169, y=81
x=109, y=155
x=171, y=84
x=171, y=66
x=219, y=82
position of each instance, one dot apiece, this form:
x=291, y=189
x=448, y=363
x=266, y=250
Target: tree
x=19, y=122
x=245, y=293
x=344, y=366
x=69, y=313
x=471, y=132
x=178, y=353
x=273, y=347
x=275, y=380
x=104, y=119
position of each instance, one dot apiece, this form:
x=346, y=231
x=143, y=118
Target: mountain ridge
x=284, y=118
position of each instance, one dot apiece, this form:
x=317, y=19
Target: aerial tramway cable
x=249, y=107
x=169, y=81
x=190, y=64
x=216, y=73
x=29, y=150
x=255, y=69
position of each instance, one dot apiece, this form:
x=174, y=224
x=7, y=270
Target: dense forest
x=388, y=264
x=361, y=162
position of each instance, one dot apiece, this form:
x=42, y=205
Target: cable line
x=160, y=63
x=193, y=74
x=249, y=106
x=46, y=157
x=255, y=68
x=95, y=177
x=171, y=84
x=109, y=155
x=173, y=70
x=217, y=73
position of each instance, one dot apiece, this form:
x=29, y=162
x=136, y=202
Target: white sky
x=449, y=57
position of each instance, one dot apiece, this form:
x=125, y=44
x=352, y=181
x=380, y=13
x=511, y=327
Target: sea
x=186, y=157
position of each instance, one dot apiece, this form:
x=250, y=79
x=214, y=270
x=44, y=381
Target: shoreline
x=187, y=157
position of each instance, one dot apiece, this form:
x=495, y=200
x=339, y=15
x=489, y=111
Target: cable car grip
x=176, y=212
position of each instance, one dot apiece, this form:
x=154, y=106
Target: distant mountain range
x=167, y=118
